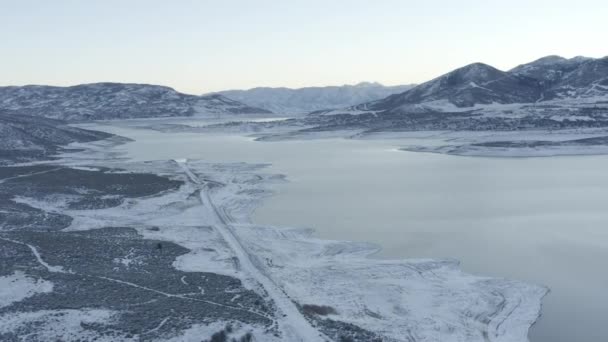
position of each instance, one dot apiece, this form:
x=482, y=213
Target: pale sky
x=201, y=46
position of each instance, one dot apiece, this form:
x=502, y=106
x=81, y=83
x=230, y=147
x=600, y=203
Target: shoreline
x=358, y=253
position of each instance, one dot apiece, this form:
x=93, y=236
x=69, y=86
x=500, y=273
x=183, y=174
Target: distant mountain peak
x=309, y=99
x=551, y=59
x=545, y=79
x=581, y=59
x=474, y=72
x=368, y=84
x=477, y=65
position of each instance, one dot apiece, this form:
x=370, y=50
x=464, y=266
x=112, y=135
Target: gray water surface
x=541, y=220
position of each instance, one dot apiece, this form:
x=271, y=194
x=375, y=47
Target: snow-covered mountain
x=560, y=78
x=477, y=85
x=305, y=100
x=550, y=93
x=464, y=87
x=549, y=69
x=98, y=101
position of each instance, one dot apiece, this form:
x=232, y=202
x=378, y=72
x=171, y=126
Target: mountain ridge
x=549, y=78
x=308, y=99
x=112, y=100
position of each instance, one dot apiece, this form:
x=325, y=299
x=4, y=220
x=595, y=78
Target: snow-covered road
x=293, y=325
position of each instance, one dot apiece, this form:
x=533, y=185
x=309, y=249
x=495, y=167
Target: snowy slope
x=549, y=68
x=477, y=86
x=23, y=137
x=578, y=77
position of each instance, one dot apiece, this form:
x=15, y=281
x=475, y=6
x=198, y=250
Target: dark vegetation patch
x=9, y=156
x=15, y=171
x=229, y=335
x=74, y=181
x=21, y=216
x=346, y=332
x=80, y=189
x=321, y=310
x=335, y=329
x=115, y=269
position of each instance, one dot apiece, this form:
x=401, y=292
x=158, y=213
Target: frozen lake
x=541, y=220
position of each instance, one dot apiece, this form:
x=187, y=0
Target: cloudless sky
x=201, y=46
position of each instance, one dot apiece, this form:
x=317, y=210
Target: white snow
x=60, y=325
x=84, y=168
x=475, y=85
x=18, y=286
x=426, y=300
x=130, y=259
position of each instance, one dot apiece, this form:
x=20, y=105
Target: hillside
x=551, y=80
x=102, y=101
